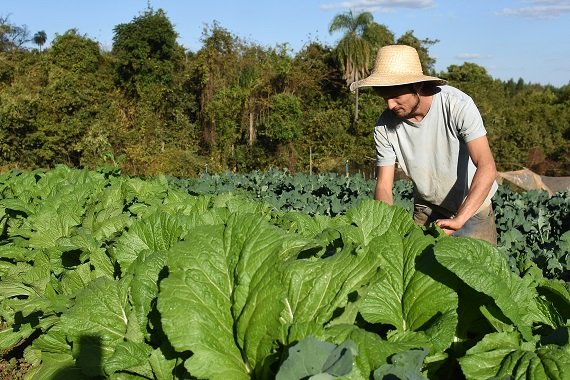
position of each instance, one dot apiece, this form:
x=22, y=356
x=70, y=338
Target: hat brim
x=395, y=80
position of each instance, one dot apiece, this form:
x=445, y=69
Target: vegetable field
x=272, y=276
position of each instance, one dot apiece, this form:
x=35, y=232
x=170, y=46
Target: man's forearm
x=384, y=195
x=485, y=175
x=384, y=183
x=480, y=187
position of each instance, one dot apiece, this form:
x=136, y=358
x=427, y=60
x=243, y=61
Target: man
x=436, y=134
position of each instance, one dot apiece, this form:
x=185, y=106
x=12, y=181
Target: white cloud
x=543, y=9
x=468, y=56
x=378, y=5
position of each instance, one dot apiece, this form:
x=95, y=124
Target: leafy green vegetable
x=505, y=354
x=137, y=279
x=221, y=285
x=410, y=294
x=405, y=365
x=316, y=359
x=485, y=271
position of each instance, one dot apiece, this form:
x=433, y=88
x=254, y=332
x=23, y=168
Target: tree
x=40, y=39
x=468, y=72
x=147, y=52
x=74, y=52
x=215, y=68
x=76, y=98
x=55, y=104
x=377, y=35
x=355, y=49
x=151, y=74
x=283, y=125
x=252, y=84
x=12, y=37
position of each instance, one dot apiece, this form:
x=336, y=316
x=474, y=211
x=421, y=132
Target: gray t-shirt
x=433, y=152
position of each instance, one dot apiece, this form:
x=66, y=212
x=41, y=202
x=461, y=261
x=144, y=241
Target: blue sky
x=515, y=39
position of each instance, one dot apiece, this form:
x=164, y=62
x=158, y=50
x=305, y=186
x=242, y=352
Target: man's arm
x=384, y=184
x=485, y=175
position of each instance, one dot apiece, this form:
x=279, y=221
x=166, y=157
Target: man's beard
x=412, y=112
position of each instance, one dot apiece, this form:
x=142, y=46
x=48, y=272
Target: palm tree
x=40, y=38
x=354, y=49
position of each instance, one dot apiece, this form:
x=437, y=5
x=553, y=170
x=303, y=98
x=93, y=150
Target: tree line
x=148, y=106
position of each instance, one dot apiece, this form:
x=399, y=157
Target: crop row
x=531, y=226
x=126, y=278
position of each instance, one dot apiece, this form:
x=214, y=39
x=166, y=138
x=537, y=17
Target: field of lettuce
x=269, y=275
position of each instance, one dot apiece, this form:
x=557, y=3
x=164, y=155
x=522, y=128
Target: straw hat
x=396, y=65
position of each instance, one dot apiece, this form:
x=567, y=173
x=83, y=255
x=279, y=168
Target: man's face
x=401, y=100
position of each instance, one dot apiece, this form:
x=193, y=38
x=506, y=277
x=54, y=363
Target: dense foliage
x=531, y=226
x=151, y=107
x=124, y=278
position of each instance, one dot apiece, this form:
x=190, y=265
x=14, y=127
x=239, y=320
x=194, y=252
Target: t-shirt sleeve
x=385, y=154
x=469, y=121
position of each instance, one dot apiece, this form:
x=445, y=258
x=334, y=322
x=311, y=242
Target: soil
x=13, y=369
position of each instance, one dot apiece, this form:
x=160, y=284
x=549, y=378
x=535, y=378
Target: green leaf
x=323, y=290
x=17, y=204
x=410, y=293
x=254, y=251
x=18, y=331
x=10, y=337
x=195, y=305
x=54, y=340
x=341, y=359
x=373, y=351
x=14, y=288
x=57, y=366
x=75, y=279
x=131, y=357
x=101, y=264
x=557, y=294
x=505, y=355
x=156, y=232
x=485, y=269
x=11, y=252
x=105, y=217
x=97, y=322
x=144, y=287
x=312, y=357
x=162, y=367
x=224, y=288
x=58, y=213
x=564, y=241
x=374, y=218
x=405, y=365
x=307, y=225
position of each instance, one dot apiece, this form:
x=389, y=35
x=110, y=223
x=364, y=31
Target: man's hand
x=449, y=226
